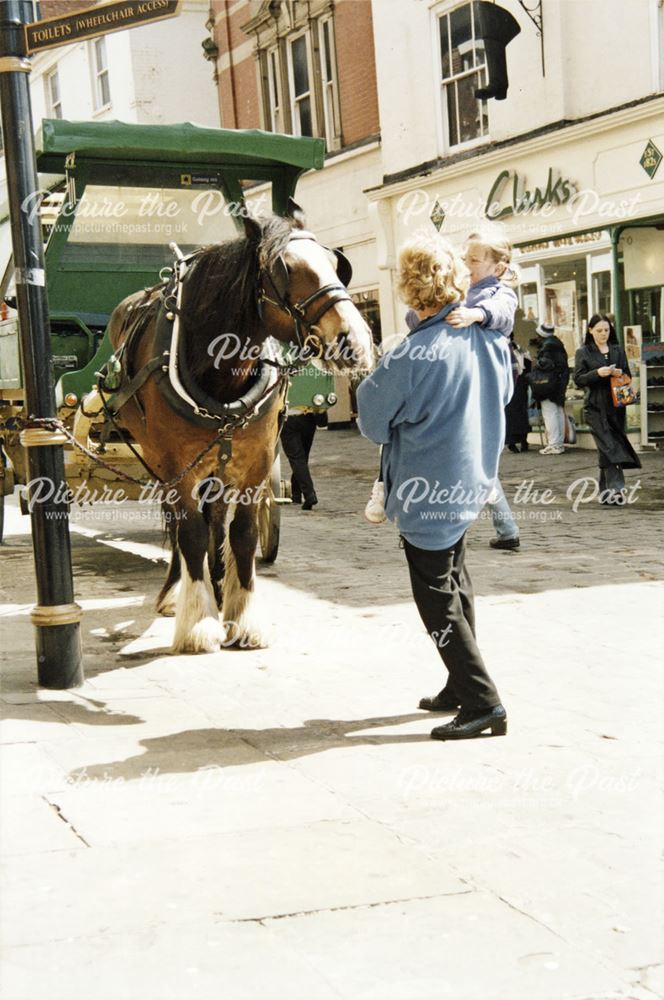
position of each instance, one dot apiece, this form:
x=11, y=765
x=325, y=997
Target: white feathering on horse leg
x=238, y=614
x=197, y=625
x=167, y=606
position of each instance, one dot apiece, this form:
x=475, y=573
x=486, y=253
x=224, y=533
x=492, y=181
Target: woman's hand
x=462, y=317
x=607, y=370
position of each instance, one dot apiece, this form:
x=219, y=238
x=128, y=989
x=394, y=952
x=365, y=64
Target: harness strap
x=115, y=402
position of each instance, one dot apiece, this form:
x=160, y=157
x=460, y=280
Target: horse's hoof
x=166, y=603
x=206, y=636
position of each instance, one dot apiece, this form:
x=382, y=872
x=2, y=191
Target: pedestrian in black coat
x=599, y=358
x=517, y=425
x=552, y=359
x=297, y=437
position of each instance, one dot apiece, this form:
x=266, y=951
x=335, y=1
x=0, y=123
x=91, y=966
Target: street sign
x=94, y=21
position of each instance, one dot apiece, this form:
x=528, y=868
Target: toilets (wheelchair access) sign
x=94, y=21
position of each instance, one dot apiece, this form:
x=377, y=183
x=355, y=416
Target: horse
x=207, y=417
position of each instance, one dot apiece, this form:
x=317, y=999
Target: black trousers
x=297, y=437
x=610, y=476
x=444, y=597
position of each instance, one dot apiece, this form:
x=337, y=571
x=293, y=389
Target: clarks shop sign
x=510, y=196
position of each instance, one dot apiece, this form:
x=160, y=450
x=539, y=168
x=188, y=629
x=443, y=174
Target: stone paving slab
x=106, y=809
x=237, y=876
x=463, y=947
x=204, y=961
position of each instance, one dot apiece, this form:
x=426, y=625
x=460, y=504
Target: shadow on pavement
x=196, y=749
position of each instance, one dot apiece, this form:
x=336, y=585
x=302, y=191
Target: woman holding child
x=436, y=405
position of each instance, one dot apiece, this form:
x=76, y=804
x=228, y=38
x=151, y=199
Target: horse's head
x=304, y=298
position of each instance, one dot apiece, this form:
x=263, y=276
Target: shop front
x=584, y=208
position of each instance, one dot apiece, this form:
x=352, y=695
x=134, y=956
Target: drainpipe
x=230, y=64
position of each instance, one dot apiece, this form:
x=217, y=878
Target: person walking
x=439, y=466
x=601, y=357
x=552, y=362
x=297, y=438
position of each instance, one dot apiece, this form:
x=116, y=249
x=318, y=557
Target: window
x=328, y=80
x=102, y=89
x=463, y=71
x=276, y=122
x=298, y=74
x=53, y=102
x=301, y=110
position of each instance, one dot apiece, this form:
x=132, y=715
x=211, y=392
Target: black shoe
x=470, y=724
x=524, y=446
x=444, y=701
x=296, y=497
x=505, y=543
x=310, y=502
x=513, y=448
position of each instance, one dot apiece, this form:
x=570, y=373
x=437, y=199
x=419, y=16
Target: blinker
x=344, y=268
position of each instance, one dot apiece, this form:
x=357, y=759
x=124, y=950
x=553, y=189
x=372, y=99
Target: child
x=490, y=302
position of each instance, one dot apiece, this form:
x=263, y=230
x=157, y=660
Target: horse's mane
x=220, y=290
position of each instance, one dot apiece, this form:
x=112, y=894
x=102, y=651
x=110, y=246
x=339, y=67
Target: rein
x=337, y=291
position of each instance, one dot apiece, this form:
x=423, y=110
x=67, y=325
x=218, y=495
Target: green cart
x=114, y=197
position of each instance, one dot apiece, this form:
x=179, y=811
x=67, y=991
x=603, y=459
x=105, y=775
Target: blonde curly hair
x=430, y=273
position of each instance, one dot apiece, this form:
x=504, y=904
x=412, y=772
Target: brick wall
x=238, y=86
x=54, y=8
x=358, y=96
x=239, y=98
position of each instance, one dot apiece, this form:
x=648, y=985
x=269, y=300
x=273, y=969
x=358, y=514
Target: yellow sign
x=96, y=21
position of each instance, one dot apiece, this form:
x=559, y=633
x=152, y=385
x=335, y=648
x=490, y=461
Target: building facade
x=568, y=164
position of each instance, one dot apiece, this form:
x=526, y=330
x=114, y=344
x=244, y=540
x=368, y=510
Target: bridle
x=277, y=276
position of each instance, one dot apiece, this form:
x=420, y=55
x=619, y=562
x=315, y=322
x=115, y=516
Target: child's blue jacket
x=436, y=404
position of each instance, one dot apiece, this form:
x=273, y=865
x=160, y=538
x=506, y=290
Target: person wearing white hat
x=552, y=360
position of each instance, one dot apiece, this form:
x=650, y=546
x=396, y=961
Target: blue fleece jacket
x=497, y=301
x=436, y=404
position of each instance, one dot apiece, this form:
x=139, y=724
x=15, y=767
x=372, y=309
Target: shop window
x=463, y=71
x=645, y=310
x=53, y=102
x=566, y=300
x=602, y=292
x=368, y=305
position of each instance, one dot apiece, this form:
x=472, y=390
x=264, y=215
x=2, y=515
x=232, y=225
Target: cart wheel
x=269, y=514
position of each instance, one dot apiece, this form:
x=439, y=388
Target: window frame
x=274, y=101
x=99, y=105
x=292, y=99
x=439, y=12
x=54, y=106
x=332, y=129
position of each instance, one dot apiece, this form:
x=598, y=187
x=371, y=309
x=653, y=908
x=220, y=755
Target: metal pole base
x=59, y=657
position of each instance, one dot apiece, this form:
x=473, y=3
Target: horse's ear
x=344, y=267
x=252, y=228
x=296, y=213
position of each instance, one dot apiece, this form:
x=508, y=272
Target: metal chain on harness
x=55, y=424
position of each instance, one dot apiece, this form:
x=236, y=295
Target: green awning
x=182, y=143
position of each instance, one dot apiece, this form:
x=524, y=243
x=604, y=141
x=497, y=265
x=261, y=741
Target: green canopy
x=182, y=143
